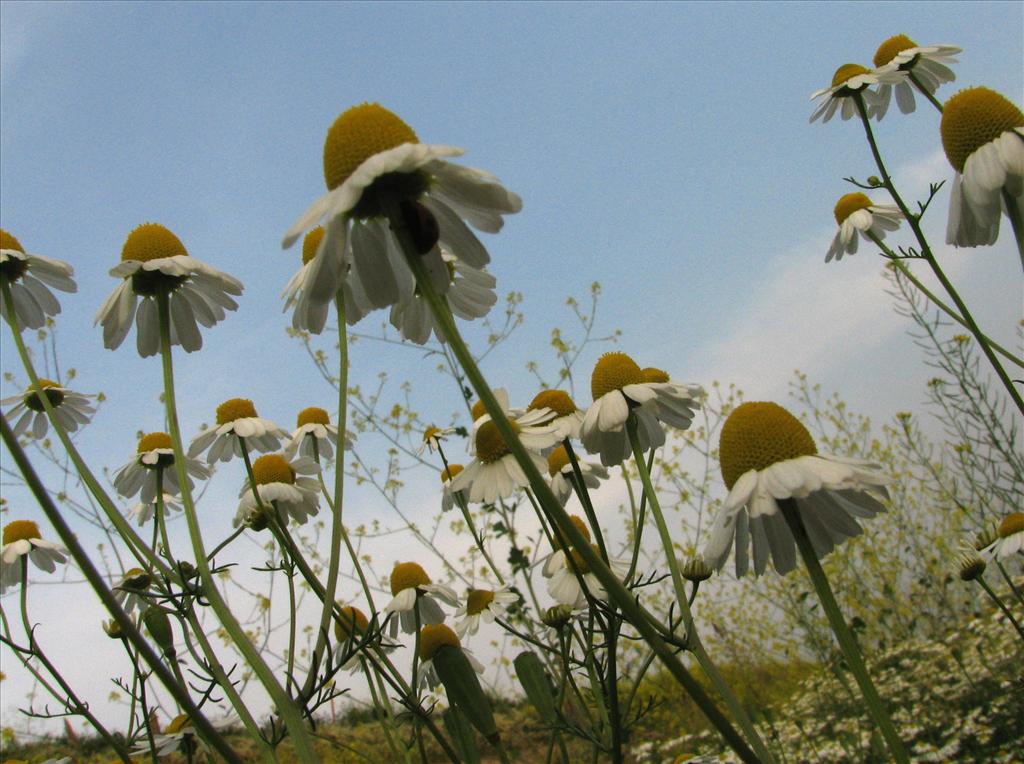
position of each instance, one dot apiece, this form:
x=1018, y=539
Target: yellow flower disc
x=407, y=575
x=9, y=242
x=850, y=203
x=177, y=724
x=652, y=374
x=450, y=471
x=357, y=135
x=151, y=241
x=431, y=432
x=433, y=638
x=313, y=415
x=490, y=446
x=613, y=371
x=21, y=530
x=557, y=459
x=556, y=400
x=53, y=393
x=757, y=435
x=235, y=408
x=892, y=47
x=846, y=72
x=1012, y=523
x=351, y=620
x=153, y=441
x=272, y=468
x=477, y=601
x=972, y=118
x=311, y=243
x=478, y=410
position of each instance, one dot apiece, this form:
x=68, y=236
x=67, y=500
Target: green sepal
x=464, y=691
x=536, y=684
x=461, y=733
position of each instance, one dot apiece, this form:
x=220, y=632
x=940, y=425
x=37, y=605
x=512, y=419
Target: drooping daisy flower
x=369, y=155
x=494, y=472
x=1010, y=539
x=470, y=295
x=848, y=81
x=130, y=592
x=564, y=569
x=448, y=496
x=412, y=591
x=433, y=639
x=236, y=419
x=154, y=459
x=144, y=510
x=983, y=136
x=856, y=213
x=284, y=484
x=969, y=565
x=926, y=64
x=71, y=409
x=619, y=386
x=350, y=622
x=154, y=261
x=483, y=604
x=312, y=316
x=567, y=420
x=314, y=427
x=30, y=277
x=562, y=475
x=178, y=736
x=766, y=454
x=22, y=537
x=433, y=437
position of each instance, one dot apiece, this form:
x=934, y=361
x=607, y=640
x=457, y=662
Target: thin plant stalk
x=999, y=603
x=1013, y=212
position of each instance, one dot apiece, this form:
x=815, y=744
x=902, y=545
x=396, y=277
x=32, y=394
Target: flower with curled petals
x=155, y=262
x=563, y=477
x=766, y=455
x=413, y=598
x=154, y=463
x=236, y=420
x=448, y=496
x=315, y=435
x=289, y=486
x=925, y=64
x=310, y=315
x=850, y=82
x=21, y=538
x=857, y=214
x=70, y=408
x=483, y=605
x=1009, y=537
x=29, y=279
x=373, y=158
x=566, y=419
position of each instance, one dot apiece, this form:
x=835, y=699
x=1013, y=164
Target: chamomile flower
x=433, y=639
x=927, y=65
x=144, y=510
x=857, y=214
x=30, y=278
x=178, y=735
x=371, y=155
x=20, y=538
x=290, y=486
x=470, y=295
x=312, y=316
x=153, y=463
x=433, y=437
x=448, y=496
x=1010, y=539
x=849, y=81
x=494, y=472
x=567, y=420
x=483, y=605
x=562, y=475
x=315, y=429
x=412, y=591
x=566, y=567
x=766, y=454
x=237, y=419
x=155, y=262
x=983, y=136
x=71, y=409
x=350, y=623
x=130, y=592
x=620, y=387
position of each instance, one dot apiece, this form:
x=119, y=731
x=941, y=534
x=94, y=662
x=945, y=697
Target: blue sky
x=661, y=149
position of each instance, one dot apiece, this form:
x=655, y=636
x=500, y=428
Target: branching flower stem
x=617, y=592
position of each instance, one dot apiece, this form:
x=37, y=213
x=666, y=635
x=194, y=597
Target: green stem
x=478, y=538
x=584, y=496
x=616, y=591
x=926, y=253
x=924, y=91
x=1009, y=582
x=284, y=705
x=1001, y=606
x=847, y=643
x=1013, y=212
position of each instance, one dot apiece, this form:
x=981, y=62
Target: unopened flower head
x=29, y=279
x=767, y=454
x=20, y=538
x=152, y=470
x=413, y=591
x=620, y=388
x=28, y=414
x=288, y=485
x=983, y=136
x=314, y=435
x=850, y=83
x=859, y=217
x=696, y=570
x=927, y=65
x=155, y=264
x=373, y=163
x=237, y=420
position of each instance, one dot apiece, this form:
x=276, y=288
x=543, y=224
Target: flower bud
x=158, y=624
x=696, y=570
x=557, y=617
